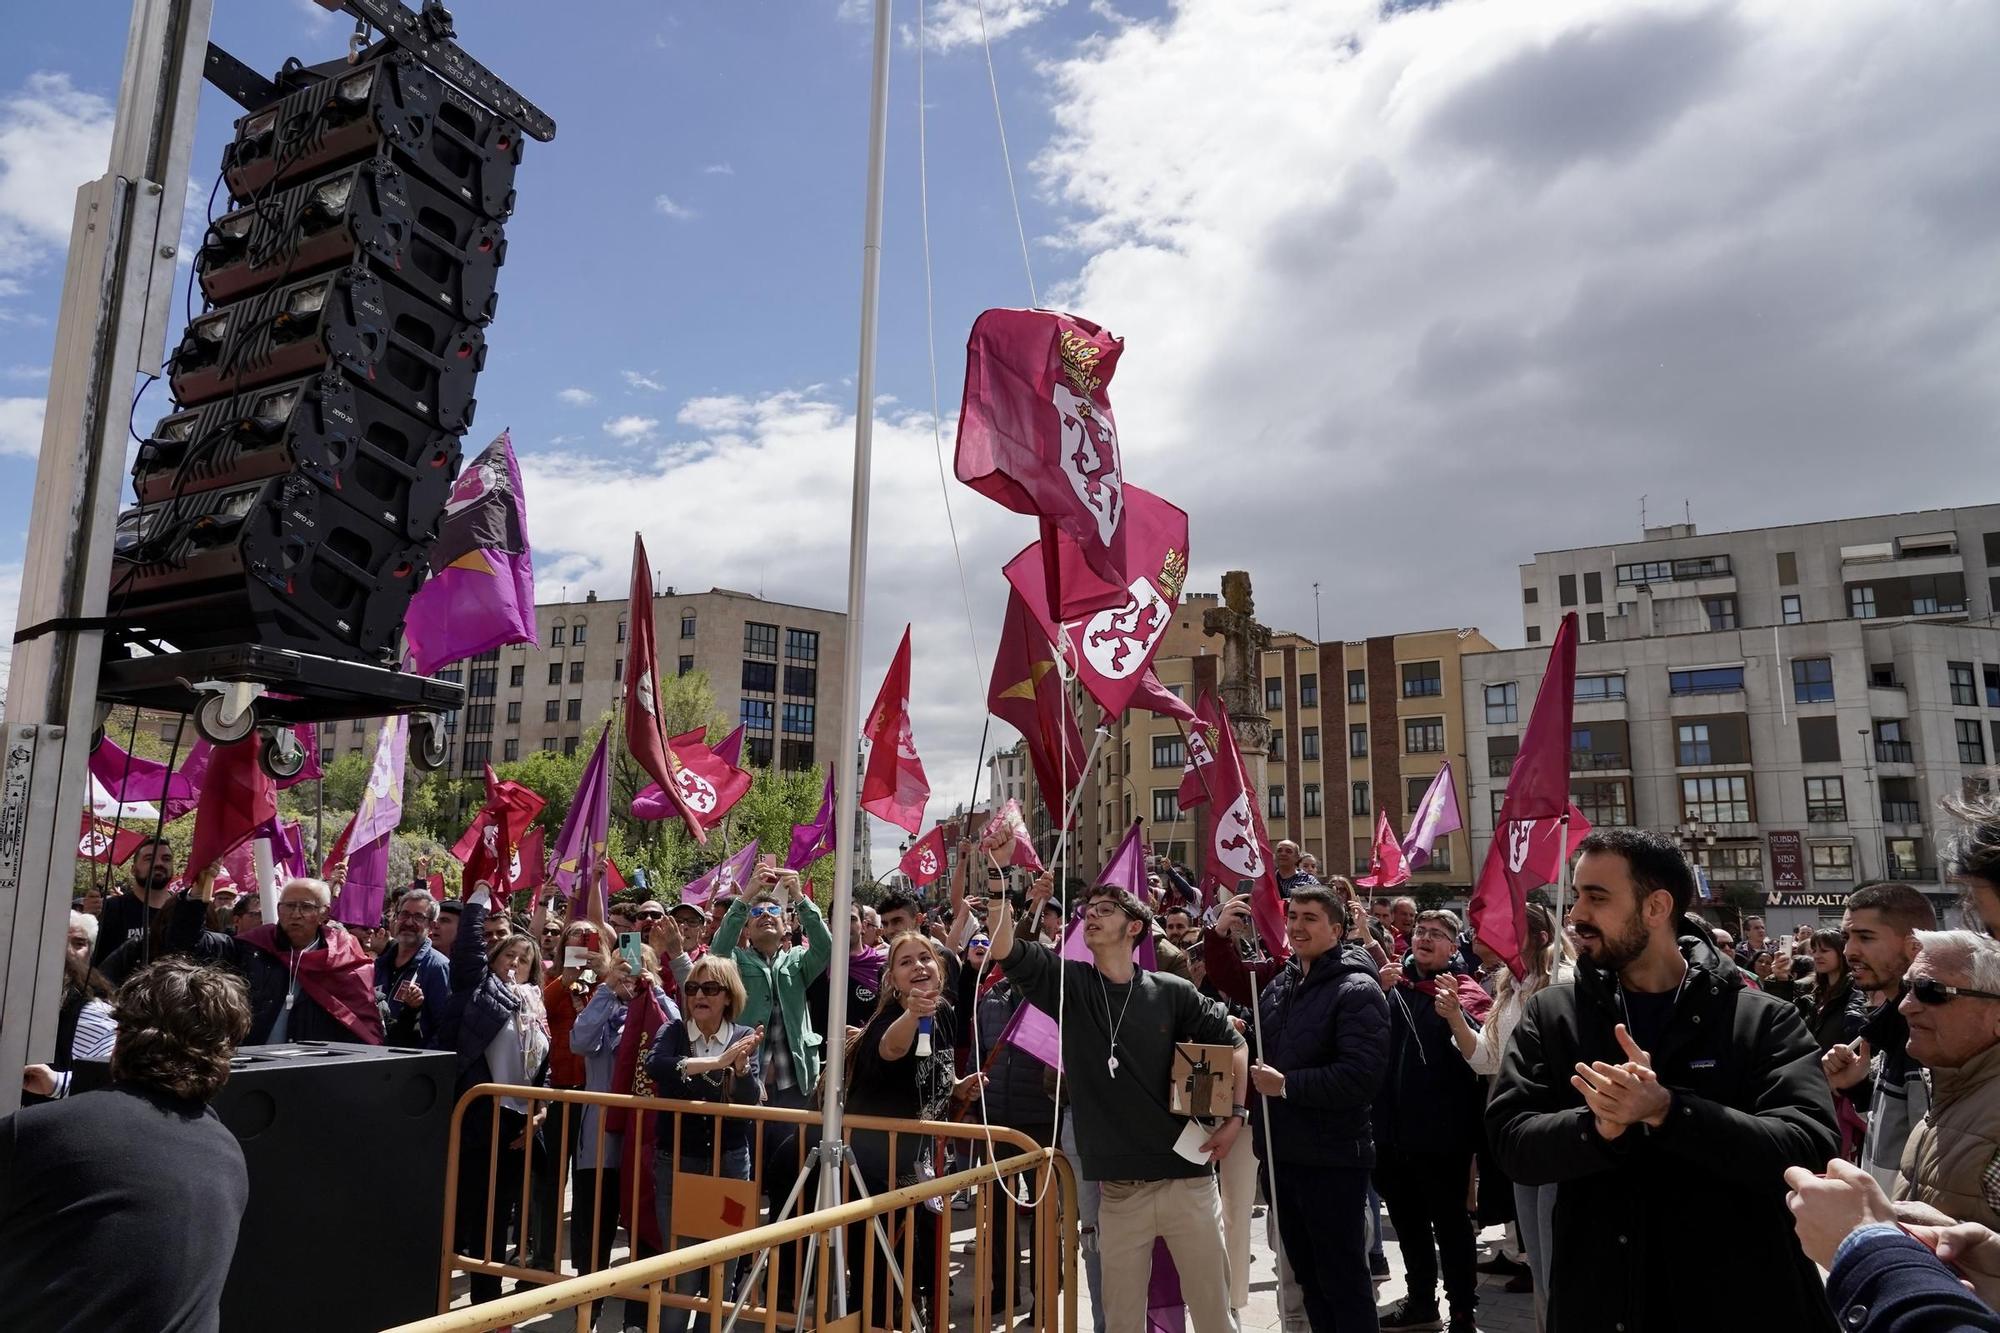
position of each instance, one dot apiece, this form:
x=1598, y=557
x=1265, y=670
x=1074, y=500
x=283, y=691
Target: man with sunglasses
x=1951, y=1000
x=775, y=978
x=1665, y=1099
x=1120, y=1025
x=1881, y=925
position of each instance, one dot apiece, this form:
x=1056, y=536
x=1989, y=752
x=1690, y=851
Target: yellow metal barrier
x=918, y=1217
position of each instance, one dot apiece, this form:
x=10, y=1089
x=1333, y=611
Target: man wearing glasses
x=1120, y=1025
x=1952, y=1003
x=1665, y=1098
x=413, y=975
x=308, y=981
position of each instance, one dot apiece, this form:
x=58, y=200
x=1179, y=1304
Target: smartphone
x=768, y=861
x=581, y=954
x=629, y=944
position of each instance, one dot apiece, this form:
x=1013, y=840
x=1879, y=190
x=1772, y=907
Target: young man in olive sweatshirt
x=1120, y=1025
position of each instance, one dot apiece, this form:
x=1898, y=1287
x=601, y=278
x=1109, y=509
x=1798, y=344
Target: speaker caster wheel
x=430, y=745
x=209, y=721
x=280, y=754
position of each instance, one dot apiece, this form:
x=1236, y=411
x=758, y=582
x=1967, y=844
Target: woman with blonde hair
x=1549, y=962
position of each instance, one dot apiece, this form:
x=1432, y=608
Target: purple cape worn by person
x=585, y=831
x=481, y=592
x=814, y=840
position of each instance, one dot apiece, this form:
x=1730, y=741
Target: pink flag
x=1004, y=838
x=1239, y=849
x=359, y=902
x=1387, y=869
x=481, y=592
x=585, y=831
x=237, y=798
x=814, y=840
x=718, y=767
x=727, y=880
x=894, y=787
x=1527, y=851
x=1127, y=868
x=1437, y=815
x=382, y=801
x=924, y=861
x=130, y=779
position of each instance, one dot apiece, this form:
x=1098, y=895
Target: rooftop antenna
x=1642, y=516
x=1687, y=512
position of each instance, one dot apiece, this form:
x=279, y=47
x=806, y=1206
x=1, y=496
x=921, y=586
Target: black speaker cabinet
x=345, y=1145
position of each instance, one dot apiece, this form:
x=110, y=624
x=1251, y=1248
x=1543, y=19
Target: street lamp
x=1867, y=735
x=1694, y=836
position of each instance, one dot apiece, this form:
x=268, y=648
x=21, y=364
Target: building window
x=479, y=717
x=569, y=746
x=1357, y=741
x=485, y=682
x=1277, y=803
x=1971, y=741
x=510, y=750
x=1890, y=745
x=1534, y=634
x=556, y=635
x=1832, y=861
x=792, y=755
x=548, y=745
x=1357, y=687
x=1901, y=856
x=576, y=673
x=1694, y=746
x=1706, y=680
x=685, y=665
x=552, y=710
x=757, y=750
x=1992, y=675
x=802, y=680
x=1422, y=680
x=799, y=719
x=802, y=645
x=1166, y=805
x=760, y=677
x=1596, y=689
x=1593, y=626
x=1861, y=602
x=687, y=624
x=1670, y=571
x=617, y=669
x=623, y=628
x=759, y=640
x=577, y=631
x=1309, y=795
x=573, y=710
x=759, y=714
x=1720, y=611
x=517, y=676
x=1364, y=855
x=1732, y=865
x=1309, y=744
x=514, y=711
x=1497, y=798
x=1792, y=608
x=477, y=754
x=1423, y=735
x=1604, y=804
x=1812, y=680
x=1413, y=794
x=1274, y=694
x=1358, y=803
x=1566, y=589
x=1309, y=690
x=1724, y=800
x=555, y=673
x=1277, y=747
x=1503, y=703
x=1530, y=596
x=1169, y=752
x=1962, y=693
x=1826, y=801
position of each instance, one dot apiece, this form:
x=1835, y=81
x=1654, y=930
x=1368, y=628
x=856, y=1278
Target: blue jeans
x=735, y=1166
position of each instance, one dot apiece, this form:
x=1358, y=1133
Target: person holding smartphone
x=775, y=977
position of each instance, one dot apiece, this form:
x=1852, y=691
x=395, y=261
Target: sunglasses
x=705, y=988
x=766, y=909
x=1931, y=992
x=650, y=916
x=978, y=942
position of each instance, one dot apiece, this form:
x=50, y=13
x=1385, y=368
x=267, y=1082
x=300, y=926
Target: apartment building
x=1790, y=702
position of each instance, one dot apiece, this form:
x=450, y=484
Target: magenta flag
x=893, y=786
x=586, y=830
x=814, y=840
x=130, y=779
x=727, y=880
x=360, y=900
x=308, y=737
x=1004, y=839
x=1437, y=815
x=288, y=850
x=1033, y=1030
x=1127, y=868
x=1387, y=868
x=481, y=592
x=195, y=769
x=382, y=801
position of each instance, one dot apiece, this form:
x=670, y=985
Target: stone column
x=1241, y=680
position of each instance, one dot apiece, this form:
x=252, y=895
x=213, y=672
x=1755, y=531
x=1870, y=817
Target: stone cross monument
x=1241, y=678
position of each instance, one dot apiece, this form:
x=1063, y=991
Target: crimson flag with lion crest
x=694, y=793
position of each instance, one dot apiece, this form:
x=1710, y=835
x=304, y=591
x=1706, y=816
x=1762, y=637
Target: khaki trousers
x=1187, y=1215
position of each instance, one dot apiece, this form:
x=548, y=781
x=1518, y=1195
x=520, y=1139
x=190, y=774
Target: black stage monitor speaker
x=345, y=1145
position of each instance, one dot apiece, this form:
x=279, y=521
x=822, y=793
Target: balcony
x=1902, y=812
x=1826, y=814
x=1895, y=752
x=1593, y=761
x=1890, y=702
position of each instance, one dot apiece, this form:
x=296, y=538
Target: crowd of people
x=1676, y=1128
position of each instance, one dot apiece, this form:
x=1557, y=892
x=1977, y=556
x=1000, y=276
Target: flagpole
x=1562, y=876
x=846, y=796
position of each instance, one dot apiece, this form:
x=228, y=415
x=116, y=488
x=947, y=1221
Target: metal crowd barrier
x=998, y=1224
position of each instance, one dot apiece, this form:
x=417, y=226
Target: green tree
x=345, y=779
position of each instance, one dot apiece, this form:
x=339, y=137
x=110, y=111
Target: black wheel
x=208, y=721
x=430, y=747
x=280, y=754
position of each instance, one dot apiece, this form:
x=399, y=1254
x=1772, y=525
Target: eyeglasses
x=1436, y=935
x=421, y=918
x=705, y=988
x=1931, y=992
x=650, y=916
x=766, y=909
x=303, y=909
x=1100, y=910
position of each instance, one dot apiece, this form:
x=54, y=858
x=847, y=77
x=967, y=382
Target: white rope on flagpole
x=1006, y=158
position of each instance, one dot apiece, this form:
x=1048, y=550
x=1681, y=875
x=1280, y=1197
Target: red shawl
x=340, y=978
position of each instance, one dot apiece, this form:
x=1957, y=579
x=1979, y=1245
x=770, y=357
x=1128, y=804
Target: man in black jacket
x=1666, y=1099
x=1326, y=1045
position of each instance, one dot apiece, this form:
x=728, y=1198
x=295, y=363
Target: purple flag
x=288, y=851
x=814, y=840
x=725, y=881
x=1166, y=1310
x=360, y=900
x=1033, y=1030
x=481, y=592
x=1437, y=815
x=1127, y=868
x=130, y=779
x=586, y=827
x=382, y=801
x=308, y=735
x=730, y=751
x=195, y=770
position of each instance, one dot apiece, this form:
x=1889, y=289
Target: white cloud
x=667, y=208
x=21, y=427
x=10, y=605
x=724, y=413
x=949, y=24
x=718, y=169
x=576, y=397
x=630, y=429
x=635, y=380
x=53, y=138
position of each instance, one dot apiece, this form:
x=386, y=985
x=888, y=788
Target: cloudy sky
x=1408, y=293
